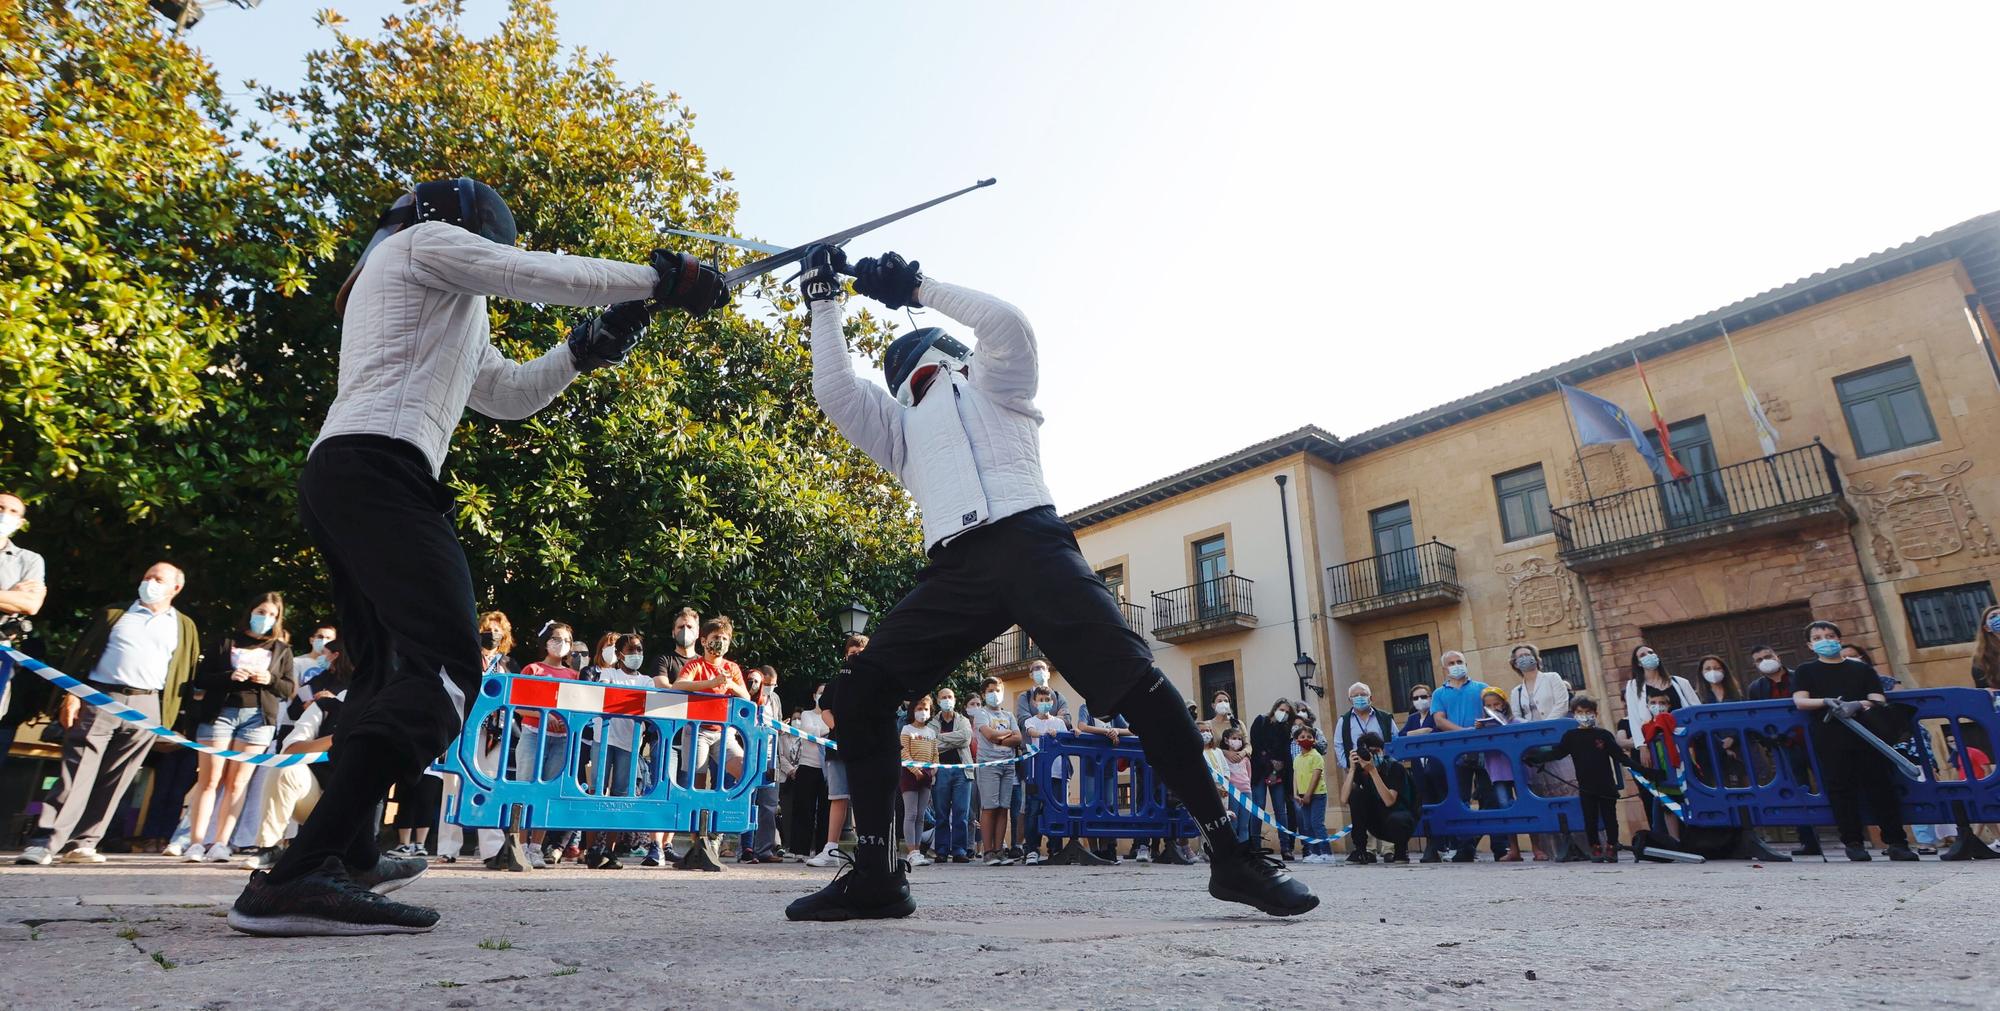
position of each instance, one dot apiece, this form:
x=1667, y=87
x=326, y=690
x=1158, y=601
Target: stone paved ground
x=1815, y=935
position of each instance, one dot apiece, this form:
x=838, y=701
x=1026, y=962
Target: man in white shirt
x=131, y=657
x=23, y=589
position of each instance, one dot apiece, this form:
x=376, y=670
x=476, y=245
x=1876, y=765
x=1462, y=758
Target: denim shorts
x=836, y=778
x=238, y=723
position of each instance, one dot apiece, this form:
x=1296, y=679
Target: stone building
x=1478, y=524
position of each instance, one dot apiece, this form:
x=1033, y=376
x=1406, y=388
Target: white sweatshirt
x=969, y=458
x=415, y=347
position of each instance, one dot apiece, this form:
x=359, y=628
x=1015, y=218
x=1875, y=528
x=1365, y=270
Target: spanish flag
x=1666, y=445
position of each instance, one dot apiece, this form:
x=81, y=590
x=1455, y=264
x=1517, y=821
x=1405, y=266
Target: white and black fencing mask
x=914, y=359
x=467, y=203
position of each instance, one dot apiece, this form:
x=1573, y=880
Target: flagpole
x=1569, y=424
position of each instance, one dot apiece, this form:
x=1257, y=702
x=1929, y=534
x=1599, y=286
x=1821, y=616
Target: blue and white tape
x=1244, y=799
x=824, y=743
x=1671, y=804
x=115, y=708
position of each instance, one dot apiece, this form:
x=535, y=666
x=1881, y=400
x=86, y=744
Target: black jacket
x=213, y=686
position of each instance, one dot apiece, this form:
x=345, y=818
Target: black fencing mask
x=467, y=203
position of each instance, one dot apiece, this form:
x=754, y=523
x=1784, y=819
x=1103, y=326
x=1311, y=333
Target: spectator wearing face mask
x=1854, y=771
x=1043, y=724
x=1717, y=686
x=951, y=795
x=539, y=749
x=623, y=773
x=1271, y=787
x=999, y=736
x=1543, y=695
x=715, y=674
x=1038, y=677
x=1650, y=680
x=1591, y=751
x=1455, y=706
x=919, y=744
x=1428, y=777
x=1361, y=718
x=1774, y=681
x=243, y=683
x=1221, y=714
x=761, y=844
x=1380, y=801
x=1236, y=760
x=307, y=666
x=496, y=639
x=1309, y=786
x=1499, y=773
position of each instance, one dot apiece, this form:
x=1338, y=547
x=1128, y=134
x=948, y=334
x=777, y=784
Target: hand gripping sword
x=1896, y=758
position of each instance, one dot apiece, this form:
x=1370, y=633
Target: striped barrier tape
x=824, y=743
x=1671, y=804
x=112, y=707
x=1244, y=799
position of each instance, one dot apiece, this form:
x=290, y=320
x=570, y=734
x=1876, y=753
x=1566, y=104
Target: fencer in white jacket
x=415, y=352
x=961, y=430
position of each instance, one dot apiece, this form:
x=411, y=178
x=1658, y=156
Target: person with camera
x=22, y=592
x=142, y=655
x=1377, y=797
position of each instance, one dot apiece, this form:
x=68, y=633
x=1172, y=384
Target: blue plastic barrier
x=1453, y=814
x=1757, y=784
x=565, y=781
x=1139, y=810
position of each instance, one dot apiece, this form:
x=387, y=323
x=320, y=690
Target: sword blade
x=730, y=240
x=1896, y=758
x=794, y=254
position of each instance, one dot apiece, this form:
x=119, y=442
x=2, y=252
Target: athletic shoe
x=858, y=895
x=572, y=854
x=1858, y=853
x=1357, y=857
x=996, y=859
x=263, y=858
x=1900, y=853
x=1034, y=857
x=593, y=858
x=220, y=854
x=1013, y=854
x=537, y=858
x=747, y=857
x=195, y=853
x=37, y=856
x=87, y=855
x=1465, y=856
x=827, y=857
x=611, y=863
x=672, y=855
x=391, y=873
x=919, y=860
x=1143, y=854
x=1257, y=878
x=325, y=902
x=450, y=858
x=652, y=855
x=1431, y=857
x=172, y=849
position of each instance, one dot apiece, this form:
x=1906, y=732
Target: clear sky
x=1230, y=220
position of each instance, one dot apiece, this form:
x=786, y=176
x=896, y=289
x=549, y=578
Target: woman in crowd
x=240, y=686
x=1719, y=685
x=809, y=794
x=1222, y=714
x=496, y=638
x=1544, y=695
x=1647, y=672
x=1500, y=771
x=550, y=743
x=919, y=740
x=307, y=666
x=620, y=745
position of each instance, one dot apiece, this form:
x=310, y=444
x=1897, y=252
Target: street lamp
x=1307, y=670
x=854, y=618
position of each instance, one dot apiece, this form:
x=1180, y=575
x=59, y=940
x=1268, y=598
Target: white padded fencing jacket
x=969, y=458
x=416, y=346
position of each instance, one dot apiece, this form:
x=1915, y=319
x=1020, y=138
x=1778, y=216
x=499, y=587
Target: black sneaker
x=593, y=858
x=610, y=863
x=673, y=856
x=857, y=895
x=1256, y=877
x=391, y=873
x=1900, y=853
x=1357, y=856
x=325, y=902
x=1858, y=853
x=1465, y=856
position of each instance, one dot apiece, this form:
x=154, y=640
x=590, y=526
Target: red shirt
x=533, y=718
x=705, y=669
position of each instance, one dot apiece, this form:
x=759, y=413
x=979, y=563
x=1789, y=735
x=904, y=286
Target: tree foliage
x=698, y=473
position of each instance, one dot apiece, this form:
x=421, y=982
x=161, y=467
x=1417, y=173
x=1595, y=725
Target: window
x=1219, y=676
x=1885, y=408
x=1943, y=617
x=1699, y=497
x=1566, y=661
x=1114, y=580
x=1211, y=563
x=1409, y=666
x=1524, y=502
x=1395, y=536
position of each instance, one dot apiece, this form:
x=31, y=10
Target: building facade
x=1480, y=524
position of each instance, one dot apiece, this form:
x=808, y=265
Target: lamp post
x=853, y=618
x=1304, y=665
x=1308, y=672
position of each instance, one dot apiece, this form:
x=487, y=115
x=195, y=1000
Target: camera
x=15, y=627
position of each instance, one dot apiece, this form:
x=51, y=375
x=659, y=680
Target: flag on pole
x=1599, y=420
x=1666, y=445
x=1767, y=434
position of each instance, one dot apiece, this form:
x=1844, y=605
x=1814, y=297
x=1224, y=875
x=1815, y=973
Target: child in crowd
x=1592, y=749
x=1309, y=787
x=1043, y=722
x=1236, y=759
x=1499, y=768
x=1659, y=752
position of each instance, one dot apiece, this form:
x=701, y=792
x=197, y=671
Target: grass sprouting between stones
x=496, y=944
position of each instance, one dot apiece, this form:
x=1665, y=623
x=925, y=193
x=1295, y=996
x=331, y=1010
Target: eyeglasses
x=1418, y=698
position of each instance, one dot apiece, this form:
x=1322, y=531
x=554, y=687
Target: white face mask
x=1039, y=676
x=921, y=716
x=947, y=703
x=1207, y=736
x=1586, y=719
x=1712, y=676
x=1456, y=672
x=1222, y=709
x=152, y=591
x=1422, y=705
x=609, y=655
x=685, y=636
x=1281, y=715
x=1769, y=666
x=8, y=524
x=993, y=698
x=634, y=660
x=319, y=644
x=1658, y=708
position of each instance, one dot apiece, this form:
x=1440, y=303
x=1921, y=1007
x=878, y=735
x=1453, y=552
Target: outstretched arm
x=1005, y=364
x=449, y=258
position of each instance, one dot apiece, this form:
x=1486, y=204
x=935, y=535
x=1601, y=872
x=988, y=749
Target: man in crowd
x=952, y=799
x=1455, y=706
x=1376, y=800
x=1038, y=677
x=1774, y=681
x=1361, y=718
x=1832, y=690
x=140, y=654
x=760, y=845
x=22, y=591
x=1090, y=788
x=680, y=649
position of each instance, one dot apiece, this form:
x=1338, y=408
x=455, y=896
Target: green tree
x=131, y=255
x=698, y=473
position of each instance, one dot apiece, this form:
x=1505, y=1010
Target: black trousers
x=1371, y=818
x=1600, y=811
x=1024, y=569
x=402, y=593
x=1853, y=773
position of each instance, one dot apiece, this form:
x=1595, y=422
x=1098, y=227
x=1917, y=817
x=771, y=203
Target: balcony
x=1011, y=653
x=1763, y=496
x=1410, y=579
x=1206, y=609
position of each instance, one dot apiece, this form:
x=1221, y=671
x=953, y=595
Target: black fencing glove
x=819, y=273
x=605, y=339
x=687, y=284
x=888, y=280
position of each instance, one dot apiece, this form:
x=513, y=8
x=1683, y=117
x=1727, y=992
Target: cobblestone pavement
x=146, y=932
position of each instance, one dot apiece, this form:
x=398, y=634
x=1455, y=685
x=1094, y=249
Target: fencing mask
x=467, y=203
x=915, y=357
